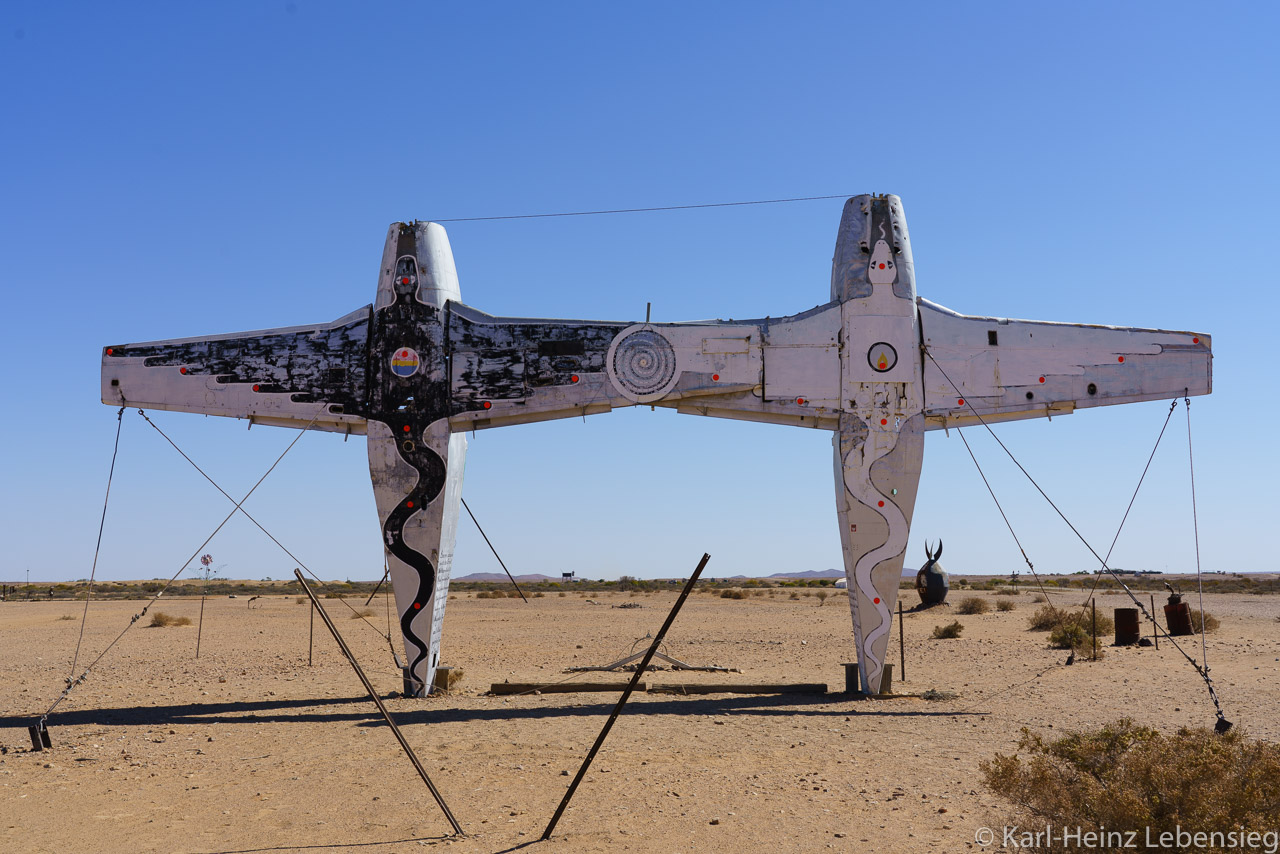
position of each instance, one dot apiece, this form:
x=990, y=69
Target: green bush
x=973, y=605
x=951, y=630
x=1127, y=778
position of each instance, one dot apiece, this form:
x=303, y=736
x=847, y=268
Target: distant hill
x=498, y=576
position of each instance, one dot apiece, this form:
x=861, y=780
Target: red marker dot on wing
x=486, y=404
x=255, y=388
x=1193, y=341
x=1042, y=379
x=182, y=370
x=1122, y=358
x=574, y=378
x=800, y=400
x=109, y=350
x=960, y=402
x=715, y=378
x=879, y=503
x=884, y=421
x=876, y=600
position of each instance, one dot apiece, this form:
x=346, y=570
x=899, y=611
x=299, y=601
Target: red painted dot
x=255, y=388
x=417, y=606
x=408, y=504
x=1193, y=341
x=486, y=404
x=109, y=350
x=1122, y=358
x=406, y=428
x=405, y=280
x=960, y=402
x=182, y=370
x=800, y=400
x=884, y=421
x=715, y=378
x=882, y=265
x=879, y=503
x=1042, y=379
x=876, y=600
x=573, y=378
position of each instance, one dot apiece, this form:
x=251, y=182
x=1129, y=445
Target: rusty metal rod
x=413, y=757
x=902, y=647
x=622, y=701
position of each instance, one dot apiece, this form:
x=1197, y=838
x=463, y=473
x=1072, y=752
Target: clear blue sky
x=187, y=169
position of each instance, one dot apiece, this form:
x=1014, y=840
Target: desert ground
x=249, y=749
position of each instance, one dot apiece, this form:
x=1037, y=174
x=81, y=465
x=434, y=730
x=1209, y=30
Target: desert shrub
x=298, y=600
x=1044, y=619
x=1129, y=778
x=822, y=596
x=563, y=594
x=732, y=593
x=794, y=595
x=973, y=605
x=1210, y=622
x=1006, y=591
x=160, y=620
x=1038, y=598
x=951, y=630
x=938, y=695
x=539, y=595
x=1070, y=635
x=1004, y=605
x=73, y=616
x=363, y=612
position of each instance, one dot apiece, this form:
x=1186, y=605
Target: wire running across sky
x=643, y=210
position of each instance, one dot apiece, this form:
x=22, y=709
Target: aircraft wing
x=284, y=377
x=1014, y=369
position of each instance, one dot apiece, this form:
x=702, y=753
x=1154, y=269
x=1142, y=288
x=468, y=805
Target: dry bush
x=794, y=595
x=160, y=620
x=951, y=630
x=1006, y=591
x=298, y=600
x=363, y=612
x=1044, y=619
x=733, y=593
x=539, y=595
x=822, y=596
x=1038, y=598
x=1004, y=605
x=973, y=605
x=1210, y=622
x=1128, y=778
x=72, y=617
x=563, y=594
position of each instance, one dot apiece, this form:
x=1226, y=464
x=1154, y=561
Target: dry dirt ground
x=250, y=749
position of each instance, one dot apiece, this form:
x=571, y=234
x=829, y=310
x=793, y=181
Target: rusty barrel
x=1177, y=617
x=1127, y=626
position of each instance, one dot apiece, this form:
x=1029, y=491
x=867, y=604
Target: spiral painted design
x=644, y=363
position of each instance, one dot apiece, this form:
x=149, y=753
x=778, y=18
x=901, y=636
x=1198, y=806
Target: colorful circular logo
x=882, y=357
x=405, y=362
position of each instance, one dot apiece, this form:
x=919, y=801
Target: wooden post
x=311, y=635
x=1155, y=627
x=902, y=647
x=1093, y=603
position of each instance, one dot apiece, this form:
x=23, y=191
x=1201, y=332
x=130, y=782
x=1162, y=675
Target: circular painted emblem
x=405, y=362
x=642, y=363
x=882, y=357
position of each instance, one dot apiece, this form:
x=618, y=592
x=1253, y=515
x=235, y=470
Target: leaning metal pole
x=622, y=701
x=413, y=757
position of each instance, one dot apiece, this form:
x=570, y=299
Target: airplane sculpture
x=875, y=365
